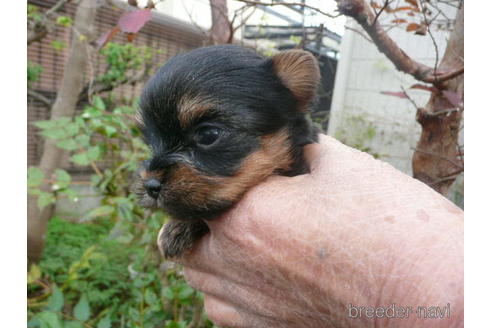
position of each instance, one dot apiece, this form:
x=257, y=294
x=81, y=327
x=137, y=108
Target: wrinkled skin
x=297, y=250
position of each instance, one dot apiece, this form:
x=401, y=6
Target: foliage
x=123, y=60
x=357, y=132
x=33, y=13
x=105, y=269
x=64, y=21
x=58, y=45
x=100, y=279
x=33, y=72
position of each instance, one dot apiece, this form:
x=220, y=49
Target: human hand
x=296, y=251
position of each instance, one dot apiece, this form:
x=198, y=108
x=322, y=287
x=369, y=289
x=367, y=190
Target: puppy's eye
x=207, y=135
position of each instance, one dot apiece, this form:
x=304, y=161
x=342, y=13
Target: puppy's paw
x=176, y=237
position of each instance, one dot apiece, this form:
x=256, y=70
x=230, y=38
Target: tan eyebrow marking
x=191, y=108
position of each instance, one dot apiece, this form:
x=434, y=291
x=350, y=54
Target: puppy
x=219, y=120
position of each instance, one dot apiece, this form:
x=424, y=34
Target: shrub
x=105, y=270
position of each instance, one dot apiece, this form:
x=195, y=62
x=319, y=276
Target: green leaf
x=71, y=194
x=127, y=109
x=184, y=292
x=134, y=314
x=95, y=179
x=93, y=153
x=63, y=179
x=125, y=211
x=33, y=323
x=45, y=198
x=49, y=320
x=68, y=144
x=44, y=124
x=82, y=310
x=101, y=211
x=110, y=131
x=124, y=239
x=64, y=21
x=104, y=322
x=150, y=297
x=34, y=177
x=96, y=123
x=32, y=9
x=81, y=159
x=176, y=324
x=99, y=103
x=167, y=292
x=34, y=273
x=58, y=45
x=63, y=121
x=33, y=72
x=56, y=300
x=34, y=191
x=72, y=129
x=73, y=324
x=55, y=133
x=91, y=112
x=83, y=140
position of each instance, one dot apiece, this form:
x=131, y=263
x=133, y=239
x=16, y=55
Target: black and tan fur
x=219, y=120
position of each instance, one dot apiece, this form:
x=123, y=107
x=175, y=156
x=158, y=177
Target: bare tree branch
x=205, y=33
x=38, y=30
x=368, y=39
x=99, y=87
x=36, y=34
x=244, y=20
x=410, y=98
x=434, y=43
x=39, y=97
x=288, y=4
x=449, y=75
x=386, y=4
x=362, y=13
x=56, y=7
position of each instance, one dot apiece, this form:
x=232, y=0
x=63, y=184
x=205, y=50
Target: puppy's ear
x=299, y=72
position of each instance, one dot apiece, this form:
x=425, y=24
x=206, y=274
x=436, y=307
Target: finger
x=230, y=312
x=203, y=281
x=228, y=289
x=201, y=256
x=224, y=314
x=218, y=281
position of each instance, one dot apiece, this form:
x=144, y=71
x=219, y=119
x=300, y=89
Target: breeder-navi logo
x=395, y=311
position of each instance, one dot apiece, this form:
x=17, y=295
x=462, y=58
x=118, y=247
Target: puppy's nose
x=153, y=187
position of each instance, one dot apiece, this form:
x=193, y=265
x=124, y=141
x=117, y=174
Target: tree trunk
x=65, y=103
x=436, y=160
x=221, y=27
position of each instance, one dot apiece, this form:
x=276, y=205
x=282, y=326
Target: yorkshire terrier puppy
x=219, y=120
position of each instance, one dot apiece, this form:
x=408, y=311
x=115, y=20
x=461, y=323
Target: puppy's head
x=219, y=120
